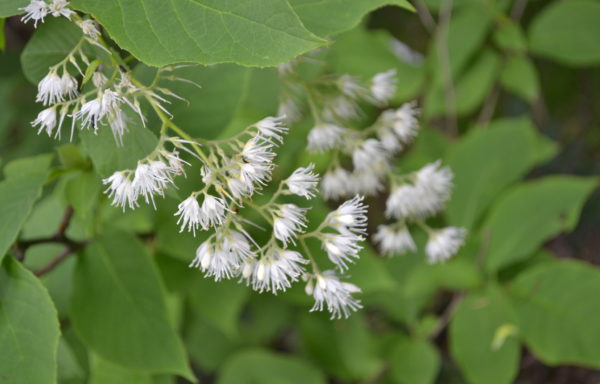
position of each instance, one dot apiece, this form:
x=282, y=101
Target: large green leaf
x=118, y=307
x=557, y=306
x=50, y=44
x=326, y=18
x=105, y=372
x=531, y=213
x=483, y=350
x=259, y=366
x=519, y=76
x=11, y=7
x=486, y=161
x=18, y=191
x=29, y=328
x=253, y=33
x=567, y=31
x=413, y=362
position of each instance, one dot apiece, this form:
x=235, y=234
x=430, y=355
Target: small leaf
x=118, y=307
x=414, y=362
x=567, y=31
x=531, y=213
x=260, y=366
x=89, y=72
x=473, y=338
x=520, y=77
x=29, y=330
x=557, y=306
x=11, y=7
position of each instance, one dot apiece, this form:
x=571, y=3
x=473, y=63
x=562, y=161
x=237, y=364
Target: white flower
x=303, y=182
x=369, y=154
x=175, y=163
x=99, y=79
x=190, y=215
x=393, y=240
x=224, y=258
x=118, y=125
x=336, y=295
x=150, y=179
x=121, y=190
x=404, y=201
x=398, y=127
x=342, y=108
x=350, y=87
x=91, y=112
x=383, y=86
x=444, y=243
x=350, y=216
x=324, y=137
x=288, y=221
x=50, y=89
x=253, y=174
x=275, y=271
x=46, y=119
x=289, y=108
x=257, y=151
x=60, y=8
x=237, y=187
x=434, y=180
x=213, y=210
x=341, y=248
x=36, y=10
x=336, y=183
x=89, y=28
x=69, y=85
x=272, y=128
x=365, y=182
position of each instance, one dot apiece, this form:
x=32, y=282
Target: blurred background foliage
x=509, y=95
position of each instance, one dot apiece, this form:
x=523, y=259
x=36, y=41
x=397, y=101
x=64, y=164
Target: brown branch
x=55, y=261
x=425, y=16
x=447, y=315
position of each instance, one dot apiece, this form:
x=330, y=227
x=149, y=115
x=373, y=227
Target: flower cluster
x=362, y=159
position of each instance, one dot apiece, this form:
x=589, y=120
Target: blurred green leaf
x=118, y=307
x=557, y=305
x=532, y=212
x=455, y=275
x=327, y=18
x=510, y=37
x=105, y=372
x=486, y=161
x=261, y=366
x=21, y=187
x=413, y=362
x=50, y=44
x=520, y=77
x=218, y=303
x=69, y=369
x=567, y=31
x=11, y=7
x=472, y=333
x=29, y=329
x=82, y=193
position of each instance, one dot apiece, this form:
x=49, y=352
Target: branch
x=54, y=262
x=425, y=16
x=447, y=315
x=445, y=66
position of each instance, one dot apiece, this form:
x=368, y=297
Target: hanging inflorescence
x=96, y=95
x=362, y=159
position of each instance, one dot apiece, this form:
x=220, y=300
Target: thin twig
x=445, y=66
x=489, y=107
x=425, y=16
x=55, y=261
x=447, y=315
x=518, y=9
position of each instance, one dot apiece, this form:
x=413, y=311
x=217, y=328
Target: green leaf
x=414, y=362
x=118, y=307
x=486, y=161
x=82, y=193
x=531, y=213
x=260, y=366
x=257, y=33
x=218, y=303
x=29, y=328
x=510, y=37
x=18, y=191
x=50, y=44
x=105, y=372
x=109, y=157
x=326, y=18
x=473, y=332
x=567, y=31
x=520, y=77
x=557, y=306
x=11, y=7
x=2, y=36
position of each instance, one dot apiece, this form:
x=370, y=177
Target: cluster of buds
x=362, y=158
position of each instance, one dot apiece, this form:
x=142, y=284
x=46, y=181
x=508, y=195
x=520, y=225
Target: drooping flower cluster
x=362, y=159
